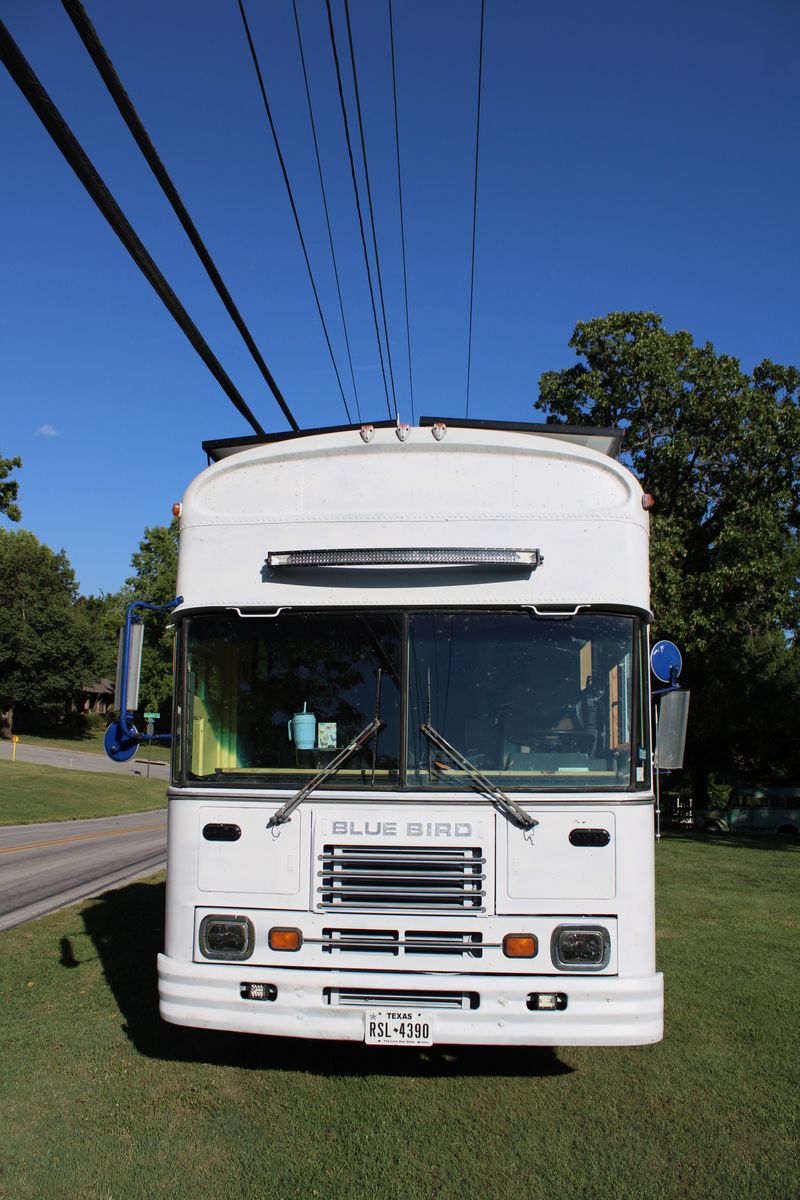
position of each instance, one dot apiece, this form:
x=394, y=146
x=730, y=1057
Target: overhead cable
x=369, y=200
x=30, y=86
x=290, y=194
x=402, y=223
x=325, y=205
x=474, y=210
x=358, y=202
x=91, y=40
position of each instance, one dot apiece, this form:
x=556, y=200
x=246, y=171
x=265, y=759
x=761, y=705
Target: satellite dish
x=666, y=661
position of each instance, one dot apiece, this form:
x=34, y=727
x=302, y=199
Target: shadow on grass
x=127, y=927
x=734, y=841
x=78, y=729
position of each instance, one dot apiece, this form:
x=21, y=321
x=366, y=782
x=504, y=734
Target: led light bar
x=438, y=556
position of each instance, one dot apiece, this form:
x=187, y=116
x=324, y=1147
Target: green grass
x=100, y=1100
x=90, y=741
x=30, y=794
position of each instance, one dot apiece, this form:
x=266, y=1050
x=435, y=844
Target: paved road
x=44, y=867
x=81, y=760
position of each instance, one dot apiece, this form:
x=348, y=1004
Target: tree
x=720, y=452
x=9, y=488
x=47, y=646
x=106, y=614
x=155, y=566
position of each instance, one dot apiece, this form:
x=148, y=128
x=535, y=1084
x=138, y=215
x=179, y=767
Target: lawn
x=30, y=794
x=99, y=1099
x=90, y=741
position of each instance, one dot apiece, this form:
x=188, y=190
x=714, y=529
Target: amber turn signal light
x=285, y=939
x=519, y=945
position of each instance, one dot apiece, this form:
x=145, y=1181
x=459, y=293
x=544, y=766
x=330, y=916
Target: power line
x=474, y=210
x=369, y=200
x=325, y=205
x=268, y=111
x=89, y=36
x=358, y=202
x=30, y=86
x=402, y=223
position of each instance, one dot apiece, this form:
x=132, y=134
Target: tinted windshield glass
x=272, y=701
x=533, y=702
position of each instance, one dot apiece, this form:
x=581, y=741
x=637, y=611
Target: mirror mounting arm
x=122, y=737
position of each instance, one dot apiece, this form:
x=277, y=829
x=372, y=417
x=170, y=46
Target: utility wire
x=268, y=111
x=474, y=211
x=402, y=223
x=369, y=200
x=325, y=205
x=30, y=86
x=89, y=36
x=358, y=202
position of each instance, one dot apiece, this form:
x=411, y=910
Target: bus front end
x=412, y=785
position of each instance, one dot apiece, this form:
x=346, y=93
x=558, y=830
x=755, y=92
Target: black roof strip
x=217, y=448
x=213, y=446
x=552, y=427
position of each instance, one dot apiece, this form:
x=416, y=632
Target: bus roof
x=605, y=441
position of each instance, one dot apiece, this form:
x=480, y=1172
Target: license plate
x=388, y=1027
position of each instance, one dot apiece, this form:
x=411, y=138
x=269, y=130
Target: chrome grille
x=394, y=942
x=401, y=878
x=440, y=942
x=381, y=997
x=360, y=941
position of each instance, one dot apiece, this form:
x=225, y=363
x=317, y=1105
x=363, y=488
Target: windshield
x=533, y=702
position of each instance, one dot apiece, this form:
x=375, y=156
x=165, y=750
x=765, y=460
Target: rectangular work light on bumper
x=408, y=556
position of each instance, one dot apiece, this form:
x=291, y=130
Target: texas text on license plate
x=398, y=1027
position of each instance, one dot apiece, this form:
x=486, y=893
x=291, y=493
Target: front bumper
x=601, y=1010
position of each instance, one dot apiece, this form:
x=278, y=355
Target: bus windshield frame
x=535, y=702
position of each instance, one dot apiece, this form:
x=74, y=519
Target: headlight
x=226, y=937
x=581, y=947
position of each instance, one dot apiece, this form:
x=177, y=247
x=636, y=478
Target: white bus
x=412, y=783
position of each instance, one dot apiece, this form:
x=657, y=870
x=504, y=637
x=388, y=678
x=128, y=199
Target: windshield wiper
x=498, y=797
x=284, y=813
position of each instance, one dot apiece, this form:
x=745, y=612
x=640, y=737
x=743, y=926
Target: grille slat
x=370, y=886
x=398, y=876
x=410, y=878
x=360, y=856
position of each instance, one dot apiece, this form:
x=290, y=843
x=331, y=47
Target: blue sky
x=633, y=156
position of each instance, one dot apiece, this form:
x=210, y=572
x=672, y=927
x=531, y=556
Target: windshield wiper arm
x=284, y=813
x=498, y=797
